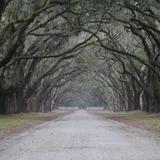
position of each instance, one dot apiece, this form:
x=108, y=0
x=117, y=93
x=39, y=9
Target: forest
x=79, y=52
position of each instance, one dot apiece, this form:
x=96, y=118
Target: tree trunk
x=129, y=92
x=154, y=90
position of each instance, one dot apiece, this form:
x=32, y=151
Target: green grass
x=147, y=120
x=9, y=122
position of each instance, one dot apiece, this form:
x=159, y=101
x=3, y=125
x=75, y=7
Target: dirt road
x=81, y=136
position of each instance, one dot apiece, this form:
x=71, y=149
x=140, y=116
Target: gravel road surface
x=81, y=136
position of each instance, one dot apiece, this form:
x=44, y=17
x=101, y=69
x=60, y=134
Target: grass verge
x=138, y=119
x=18, y=122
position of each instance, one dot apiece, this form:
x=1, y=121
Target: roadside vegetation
x=16, y=122
x=149, y=121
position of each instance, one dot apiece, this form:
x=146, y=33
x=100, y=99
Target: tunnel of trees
x=104, y=52
x=82, y=92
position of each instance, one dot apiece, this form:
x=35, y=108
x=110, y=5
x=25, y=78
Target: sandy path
x=81, y=136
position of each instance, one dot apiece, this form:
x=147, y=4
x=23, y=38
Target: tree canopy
x=109, y=50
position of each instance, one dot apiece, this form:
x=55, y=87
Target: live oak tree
x=26, y=45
